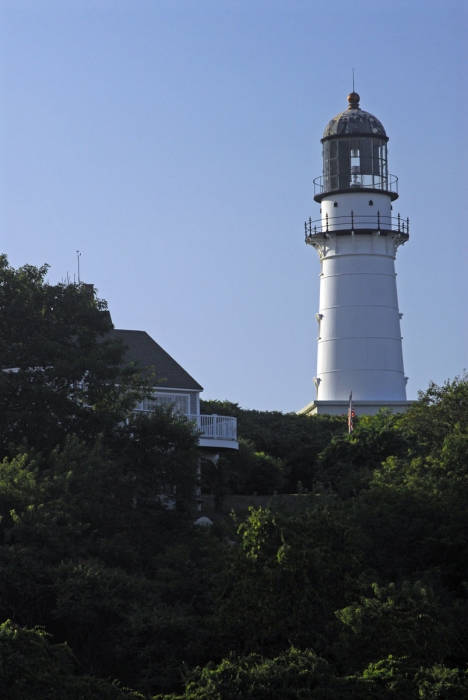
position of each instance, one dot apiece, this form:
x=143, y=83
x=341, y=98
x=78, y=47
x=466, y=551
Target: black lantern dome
x=354, y=120
x=354, y=154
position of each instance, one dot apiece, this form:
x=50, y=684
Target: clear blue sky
x=174, y=143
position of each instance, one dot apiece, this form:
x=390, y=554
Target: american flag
x=351, y=414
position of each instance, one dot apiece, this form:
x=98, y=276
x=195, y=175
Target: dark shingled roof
x=144, y=350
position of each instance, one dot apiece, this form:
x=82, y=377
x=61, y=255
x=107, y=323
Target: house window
x=179, y=401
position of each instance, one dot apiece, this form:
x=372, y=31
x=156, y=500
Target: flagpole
x=351, y=414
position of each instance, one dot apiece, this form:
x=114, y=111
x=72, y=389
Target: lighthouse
x=356, y=238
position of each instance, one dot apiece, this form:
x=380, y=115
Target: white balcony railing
x=212, y=427
x=216, y=427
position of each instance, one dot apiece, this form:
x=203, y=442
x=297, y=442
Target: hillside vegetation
x=359, y=591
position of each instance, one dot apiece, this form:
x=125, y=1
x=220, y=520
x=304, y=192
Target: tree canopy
x=60, y=374
x=359, y=591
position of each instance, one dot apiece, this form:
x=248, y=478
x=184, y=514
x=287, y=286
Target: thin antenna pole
x=78, y=256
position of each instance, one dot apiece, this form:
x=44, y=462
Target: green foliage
x=438, y=411
x=62, y=375
x=86, y=542
x=158, y=454
x=31, y=668
x=369, y=571
x=302, y=674
x=25, y=586
x=402, y=679
x=408, y=619
x=296, y=440
x=245, y=471
x=414, y=510
x=51, y=502
x=77, y=505
x=440, y=682
x=81, y=491
x=287, y=577
x=113, y=619
x=294, y=675
x=215, y=476
x=348, y=462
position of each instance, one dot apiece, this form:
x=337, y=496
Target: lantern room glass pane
x=344, y=164
x=355, y=162
x=366, y=156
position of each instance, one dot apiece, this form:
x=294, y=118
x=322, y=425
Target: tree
x=159, y=459
x=439, y=409
x=286, y=578
x=401, y=678
x=293, y=675
x=61, y=375
x=414, y=511
x=408, y=619
x=31, y=668
x=84, y=484
x=348, y=461
x=245, y=471
x=296, y=440
x=303, y=675
x=89, y=551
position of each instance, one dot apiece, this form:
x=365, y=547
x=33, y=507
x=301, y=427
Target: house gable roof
x=141, y=348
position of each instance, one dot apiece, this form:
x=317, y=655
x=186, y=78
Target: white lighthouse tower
x=356, y=238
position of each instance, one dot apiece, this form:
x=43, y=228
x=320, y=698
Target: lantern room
x=355, y=154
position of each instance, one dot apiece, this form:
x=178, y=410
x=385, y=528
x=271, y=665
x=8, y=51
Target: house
x=175, y=387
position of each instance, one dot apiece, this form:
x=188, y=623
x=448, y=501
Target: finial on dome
x=353, y=99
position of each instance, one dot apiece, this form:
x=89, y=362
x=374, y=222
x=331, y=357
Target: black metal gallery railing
x=361, y=223
x=332, y=183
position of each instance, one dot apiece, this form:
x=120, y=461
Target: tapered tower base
x=340, y=408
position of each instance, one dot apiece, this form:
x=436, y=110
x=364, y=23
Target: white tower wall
x=357, y=202
x=359, y=344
